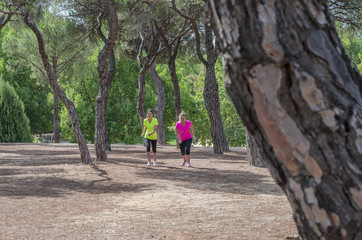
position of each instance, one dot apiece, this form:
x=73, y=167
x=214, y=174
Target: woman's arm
x=154, y=130
x=144, y=130
x=177, y=135
x=193, y=132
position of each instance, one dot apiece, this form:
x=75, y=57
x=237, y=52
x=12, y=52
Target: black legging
x=185, y=146
x=153, y=143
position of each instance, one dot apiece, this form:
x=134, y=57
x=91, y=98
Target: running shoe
x=183, y=164
x=148, y=163
x=188, y=165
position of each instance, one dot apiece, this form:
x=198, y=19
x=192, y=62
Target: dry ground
x=46, y=193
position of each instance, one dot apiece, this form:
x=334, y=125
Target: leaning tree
x=298, y=94
x=25, y=10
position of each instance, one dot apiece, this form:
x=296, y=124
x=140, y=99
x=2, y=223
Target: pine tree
x=14, y=124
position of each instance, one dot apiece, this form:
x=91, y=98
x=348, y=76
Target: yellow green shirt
x=150, y=126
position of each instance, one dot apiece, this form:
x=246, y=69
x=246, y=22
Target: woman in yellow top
x=150, y=133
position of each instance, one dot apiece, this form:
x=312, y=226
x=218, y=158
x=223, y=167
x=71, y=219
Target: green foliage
x=352, y=42
x=32, y=91
x=191, y=79
x=122, y=120
x=14, y=124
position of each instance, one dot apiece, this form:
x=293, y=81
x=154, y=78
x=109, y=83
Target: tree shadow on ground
x=57, y=187
x=209, y=179
x=49, y=186
x=202, y=178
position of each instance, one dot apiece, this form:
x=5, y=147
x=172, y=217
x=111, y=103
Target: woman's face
x=149, y=114
x=183, y=118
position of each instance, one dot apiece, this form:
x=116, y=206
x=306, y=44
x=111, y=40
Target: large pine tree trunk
x=52, y=80
x=161, y=103
x=294, y=87
x=253, y=154
x=211, y=97
x=105, y=77
x=56, y=131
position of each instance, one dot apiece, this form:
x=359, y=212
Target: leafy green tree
x=191, y=74
x=32, y=91
x=14, y=124
x=122, y=119
x=352, y=43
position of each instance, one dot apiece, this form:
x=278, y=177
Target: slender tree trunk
x=102, y=144
x=52, y=80
x=252, y=151
x=4, y=19
x=176, y=87
x=141, y=96
x=100, y=125
x=211, y=98
x=161, y=103
x=295, y=88
x=212, y=103
x=56, y=119
x=105, y=77
x=56, y=130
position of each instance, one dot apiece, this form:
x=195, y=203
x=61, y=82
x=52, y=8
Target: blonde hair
x=182, y=114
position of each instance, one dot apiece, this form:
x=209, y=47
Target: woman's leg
x=154, y=150
x=148, y=150
x=182, y=149
x=187, y=151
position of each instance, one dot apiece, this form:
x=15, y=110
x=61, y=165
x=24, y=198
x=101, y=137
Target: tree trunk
x=252, y=151
x=211, y=97
x=100, y=125
x=176, y=87
x=56, y=119
x=161, y=103
x=4, y=19
x=297, y=93
x=52, y=80
x=105, y=78
x=141, y=96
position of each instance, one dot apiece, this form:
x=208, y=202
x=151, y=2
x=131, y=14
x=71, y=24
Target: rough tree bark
x=161, y=103
x=298, y=94
x=211, y=89
x=253, y=154
x=105, y=78
x=52, y=80
x=211, y=96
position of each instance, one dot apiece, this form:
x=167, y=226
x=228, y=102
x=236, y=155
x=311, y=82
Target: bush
x=14, y=124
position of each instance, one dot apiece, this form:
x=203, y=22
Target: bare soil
x=46, y=193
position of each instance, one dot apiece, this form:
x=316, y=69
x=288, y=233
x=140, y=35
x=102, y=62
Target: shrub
x=14, y=124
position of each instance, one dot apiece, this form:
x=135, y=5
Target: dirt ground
x=46, y=193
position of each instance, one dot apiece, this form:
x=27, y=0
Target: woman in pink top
x=183, y=136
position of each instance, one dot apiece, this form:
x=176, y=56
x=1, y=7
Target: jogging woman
x=150, y=133
x=183, y=136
